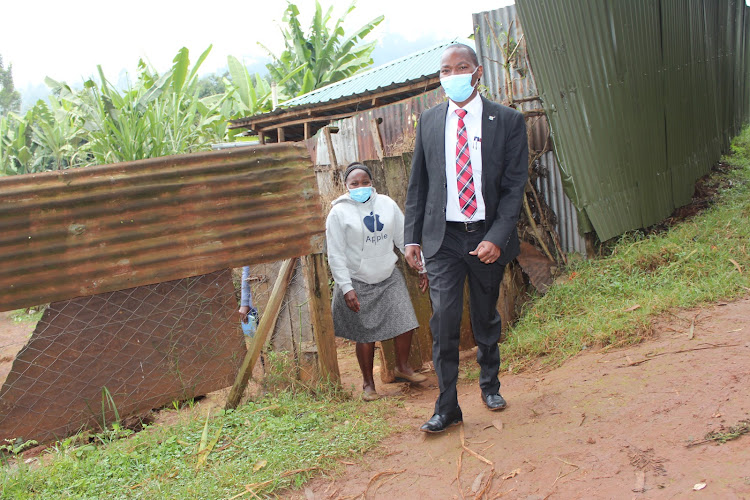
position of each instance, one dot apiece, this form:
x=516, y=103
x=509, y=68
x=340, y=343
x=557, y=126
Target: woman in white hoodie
x=370, y=299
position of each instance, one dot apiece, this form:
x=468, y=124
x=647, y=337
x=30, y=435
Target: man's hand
x=244, y=310
x=352, y=302
x=423, y=282
x=413, y=256
x=487, y=252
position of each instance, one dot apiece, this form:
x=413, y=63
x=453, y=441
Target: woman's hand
x=244, y=310
x=424, y=282
x=352, y=302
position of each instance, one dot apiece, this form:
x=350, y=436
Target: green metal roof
x=407, y=69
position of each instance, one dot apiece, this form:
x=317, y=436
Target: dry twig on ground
x=704, y=346
x=378, y=476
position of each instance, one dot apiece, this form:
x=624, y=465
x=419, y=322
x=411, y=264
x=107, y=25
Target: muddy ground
x=625, y=423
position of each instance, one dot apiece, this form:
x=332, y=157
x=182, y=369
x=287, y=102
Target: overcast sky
x=66, y=40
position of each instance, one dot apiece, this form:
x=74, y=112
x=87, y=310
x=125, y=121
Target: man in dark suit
x=468, y=175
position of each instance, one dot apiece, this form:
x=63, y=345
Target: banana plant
x=58, y=134
x=15, y=145
x=162, y=114
x=253, y=94
x=159, y=115
x=326, y=55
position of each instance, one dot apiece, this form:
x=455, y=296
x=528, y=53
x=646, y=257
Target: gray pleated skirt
x=385, y=310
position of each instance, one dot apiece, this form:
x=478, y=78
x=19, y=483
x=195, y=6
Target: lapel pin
x=492, y=117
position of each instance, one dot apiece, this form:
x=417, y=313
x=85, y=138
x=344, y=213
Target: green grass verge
x=274, y=443
x=613, y=300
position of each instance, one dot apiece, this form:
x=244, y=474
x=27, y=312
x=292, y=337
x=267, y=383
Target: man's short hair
x=465, y=48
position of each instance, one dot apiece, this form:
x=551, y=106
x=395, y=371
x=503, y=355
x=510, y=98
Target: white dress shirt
x=473, y=123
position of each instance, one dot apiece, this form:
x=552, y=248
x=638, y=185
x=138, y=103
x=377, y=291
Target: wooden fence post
x=319, y=304
x=266, y=326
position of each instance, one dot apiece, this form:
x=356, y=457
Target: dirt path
x=607, y=424
x=13, y=336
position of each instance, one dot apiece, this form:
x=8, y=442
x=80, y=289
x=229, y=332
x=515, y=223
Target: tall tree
x=326, y=53
x=10, y=98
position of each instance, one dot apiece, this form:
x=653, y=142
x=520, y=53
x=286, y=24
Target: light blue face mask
x=361, y=194
x=458, y=87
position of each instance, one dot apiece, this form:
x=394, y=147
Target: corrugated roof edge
x=287, y=105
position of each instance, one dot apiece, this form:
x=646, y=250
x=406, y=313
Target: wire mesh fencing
x=95, y=359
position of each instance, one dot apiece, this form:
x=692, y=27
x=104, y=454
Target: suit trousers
x=447, y=271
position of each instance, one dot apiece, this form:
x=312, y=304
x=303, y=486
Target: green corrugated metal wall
x=642, y=98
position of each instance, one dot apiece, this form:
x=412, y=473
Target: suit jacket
x=505, y=156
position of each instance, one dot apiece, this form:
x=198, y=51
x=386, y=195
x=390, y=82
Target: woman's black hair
x=354, y=166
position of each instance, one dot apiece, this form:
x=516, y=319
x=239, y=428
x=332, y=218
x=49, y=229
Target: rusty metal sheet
x=537, y=266
x=355, y=139
x=400, y=120
x=84, y=231
x=148, y=346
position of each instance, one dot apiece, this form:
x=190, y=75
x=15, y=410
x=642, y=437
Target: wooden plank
x=266, y=326
x=331, y=151
x=396, y=180
x=312, y=119
x=378, y=175
x=387, y=361
x=301, y=341
x=319, y=304
x=376, y=138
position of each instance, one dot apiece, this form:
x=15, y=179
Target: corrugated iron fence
x=91, y=230
x=642, y=96
x=500, y=43
x=134, y=258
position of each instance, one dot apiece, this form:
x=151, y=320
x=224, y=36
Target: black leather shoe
x=494, y=402
x=438, y=423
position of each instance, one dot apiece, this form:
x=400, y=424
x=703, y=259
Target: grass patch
x=274, y=443
x=612, y=301
x=724, y=435
x=742, y=427
x=469, y=372
x=29, y=315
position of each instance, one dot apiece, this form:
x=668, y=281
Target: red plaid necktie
x=467, y=199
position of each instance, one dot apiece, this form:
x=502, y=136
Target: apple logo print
x=370, y=222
